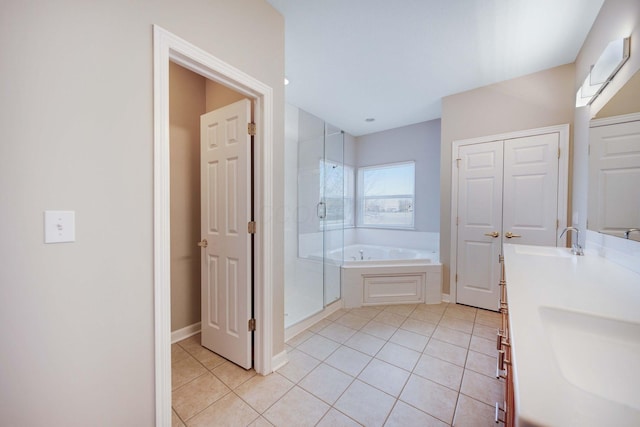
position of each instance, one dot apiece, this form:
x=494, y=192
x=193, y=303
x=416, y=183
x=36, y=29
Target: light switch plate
x=59, y=226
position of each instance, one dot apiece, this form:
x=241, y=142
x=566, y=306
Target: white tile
x=439, y=371
x=399, y=356
x=404, y=415
x=263, y=391
x=326, y=383
x=318, y=347
x=297, y=408
x=445, y=351
x=337, y=332
x=196, y=395
x=300, y=338
x=483, y=345
x=335, y=418
x=452, y=336
x=481, y=387
x=419, y=327
x=390, y=318
x=409, y=339
x=380, y=330
x=299, y=365
x=228, y=411
x=365, y=343
x=384, y=376
x=482, y=363
x=365, y=404
x=348, y=360
x=352, y=321
x=472, y=413
x=430, y=397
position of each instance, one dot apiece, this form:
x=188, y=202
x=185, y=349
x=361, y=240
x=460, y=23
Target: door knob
x=493, y=234
x=203, y=244
x=509, y=235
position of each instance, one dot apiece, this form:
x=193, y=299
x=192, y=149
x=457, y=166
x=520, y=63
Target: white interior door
x=225, y=179
x=530, y=197
x=479, y=223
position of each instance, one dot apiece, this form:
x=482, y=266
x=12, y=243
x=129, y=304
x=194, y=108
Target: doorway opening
x=210, y=199
x=170, y=48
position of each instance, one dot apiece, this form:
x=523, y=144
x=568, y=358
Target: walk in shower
x=315, y=212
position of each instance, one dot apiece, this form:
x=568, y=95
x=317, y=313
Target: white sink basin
x=600, y=355
x=543, y=251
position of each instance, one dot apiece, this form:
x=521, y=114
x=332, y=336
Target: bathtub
x=377, y=255
x=381, y=275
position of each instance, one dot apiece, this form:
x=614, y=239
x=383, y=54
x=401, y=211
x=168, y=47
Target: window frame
x=361, y=197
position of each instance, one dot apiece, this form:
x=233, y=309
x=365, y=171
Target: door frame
x=563, y=185
x=169, y=47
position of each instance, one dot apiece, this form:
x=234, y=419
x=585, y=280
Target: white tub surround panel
x=575, y=336
x=379, y=283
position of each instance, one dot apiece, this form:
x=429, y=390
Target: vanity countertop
x=575, y=334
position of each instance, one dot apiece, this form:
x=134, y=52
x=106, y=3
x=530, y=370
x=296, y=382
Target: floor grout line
x=411, y=372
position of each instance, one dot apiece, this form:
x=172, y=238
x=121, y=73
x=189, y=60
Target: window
x=337, y=191
x=386, y=195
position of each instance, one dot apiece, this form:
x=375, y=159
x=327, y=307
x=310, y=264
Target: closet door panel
x=530, y=202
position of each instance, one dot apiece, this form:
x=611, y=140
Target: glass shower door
x=333, y=209
x=312, y=271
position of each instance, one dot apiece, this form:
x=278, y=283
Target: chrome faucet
x=576, y=249
x=631, y=230
x=361, y=255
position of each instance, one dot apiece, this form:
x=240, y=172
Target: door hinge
x=251, y=128
x=458, y=163
x=456, y=277
x=251, y=227
x=457, y=220
x=558, y=153
x=557, y=224
x=252, y=325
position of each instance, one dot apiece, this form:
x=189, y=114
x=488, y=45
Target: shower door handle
x=321, y=210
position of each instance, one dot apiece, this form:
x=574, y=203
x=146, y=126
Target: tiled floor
x=402, y=365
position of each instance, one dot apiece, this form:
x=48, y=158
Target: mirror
x=614, y=165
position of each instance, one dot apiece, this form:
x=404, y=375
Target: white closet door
x=479, y=224
x=530, y=200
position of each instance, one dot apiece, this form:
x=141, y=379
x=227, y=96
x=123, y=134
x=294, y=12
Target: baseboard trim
x=186, y=332
x=279, y=360
x=446, y=298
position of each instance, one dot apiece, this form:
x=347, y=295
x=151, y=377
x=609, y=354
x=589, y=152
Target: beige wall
x=187, y=104
x=220, y=96
x=76, y=125
x=542, y=99
x=626, y=101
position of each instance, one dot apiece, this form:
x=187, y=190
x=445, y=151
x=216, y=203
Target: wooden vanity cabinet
x=503, y=344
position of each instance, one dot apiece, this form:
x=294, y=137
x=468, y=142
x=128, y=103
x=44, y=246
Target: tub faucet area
x=576, y=249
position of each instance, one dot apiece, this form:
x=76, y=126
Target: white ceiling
x=395, y=60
